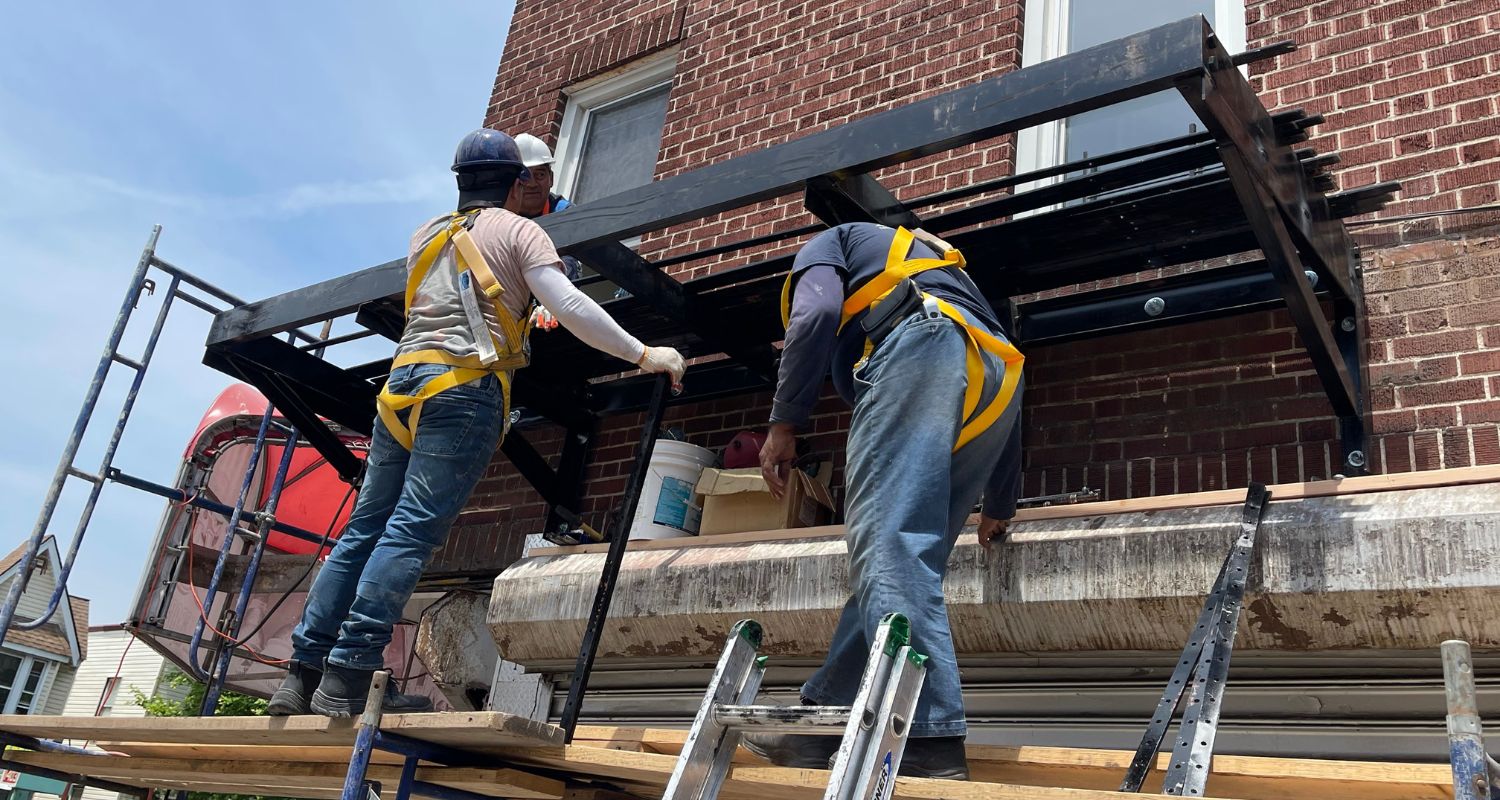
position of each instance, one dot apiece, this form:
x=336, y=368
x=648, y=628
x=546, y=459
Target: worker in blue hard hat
x=471, y=277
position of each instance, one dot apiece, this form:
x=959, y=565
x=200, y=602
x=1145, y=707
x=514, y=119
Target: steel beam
x=1169, y=301
x=836, y=199
x=1132, y=66
x=1281, y=254
x=532, y=466
x=1229, y=109
x=578, y=446
x=321, y=301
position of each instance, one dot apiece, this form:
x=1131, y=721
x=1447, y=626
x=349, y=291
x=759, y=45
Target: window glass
x=9, y=666
x=33, y=680
x=1163, y=115
x=621, y=145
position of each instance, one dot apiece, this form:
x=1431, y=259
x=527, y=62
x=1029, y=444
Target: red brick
x=1480, y=151
x=1476, y=313
x=1468, y=48
x=1486, y=445
x=1450, y=12
x=1393, y=422
x=1478, y=363
x=1474, y=413
x=1436, y=417
x=1445, y=392
x=1435, y=343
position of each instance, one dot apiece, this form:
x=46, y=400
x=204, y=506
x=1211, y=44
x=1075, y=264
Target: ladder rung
x=127, y=361
x=87, y=476
x=830, y=720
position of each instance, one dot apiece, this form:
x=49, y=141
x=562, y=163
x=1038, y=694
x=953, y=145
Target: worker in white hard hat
x=533, y=197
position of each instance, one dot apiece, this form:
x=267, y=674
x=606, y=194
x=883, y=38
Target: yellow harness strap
x=466, y=369
x=899, y=268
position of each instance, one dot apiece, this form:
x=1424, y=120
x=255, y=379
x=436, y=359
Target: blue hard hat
x=487, y=149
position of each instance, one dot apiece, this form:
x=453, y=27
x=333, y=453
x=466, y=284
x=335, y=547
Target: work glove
x=664, y=359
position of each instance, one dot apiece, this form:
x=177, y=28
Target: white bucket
x=667, y=508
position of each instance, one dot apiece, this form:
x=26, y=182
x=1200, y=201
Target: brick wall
x=1408, y=88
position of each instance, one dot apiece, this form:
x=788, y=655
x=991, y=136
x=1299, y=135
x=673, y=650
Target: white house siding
x=141, y=669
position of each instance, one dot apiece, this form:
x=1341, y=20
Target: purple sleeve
x=1004, y=486
x=816, y=302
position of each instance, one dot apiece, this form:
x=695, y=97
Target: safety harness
x=899, y=268
x=495, y=357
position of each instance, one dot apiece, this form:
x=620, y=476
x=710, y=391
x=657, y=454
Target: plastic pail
x=667, y=507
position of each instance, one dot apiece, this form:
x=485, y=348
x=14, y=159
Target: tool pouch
x=902, y=302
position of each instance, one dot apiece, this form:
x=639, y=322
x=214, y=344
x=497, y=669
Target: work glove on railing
x=664, y=359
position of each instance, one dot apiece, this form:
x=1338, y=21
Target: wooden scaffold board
x=307, y=757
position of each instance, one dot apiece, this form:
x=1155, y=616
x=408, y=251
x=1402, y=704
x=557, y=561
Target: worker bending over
x=936, y=388
x=470, y=279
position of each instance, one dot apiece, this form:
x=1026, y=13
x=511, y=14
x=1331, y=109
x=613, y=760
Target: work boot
x=940, y=757
x=343, y=693
x=292, y=696
x=792, y=749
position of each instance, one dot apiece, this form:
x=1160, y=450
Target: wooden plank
x=501, y=782
x=330, y=755
x=1395, y=482
x=478, y=731
x=1078, y=768
x=747, y=782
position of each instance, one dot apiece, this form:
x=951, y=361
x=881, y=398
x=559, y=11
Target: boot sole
x=938, y=775
x=336, y=707
x=287, y=704
x=785, y=758
x=341, y=708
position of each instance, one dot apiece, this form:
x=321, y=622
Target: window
x=1057, y=27
x=611, y=131
x=20, y=679
x=107, y=697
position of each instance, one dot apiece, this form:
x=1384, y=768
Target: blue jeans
x=909, y=495
x=408, y=502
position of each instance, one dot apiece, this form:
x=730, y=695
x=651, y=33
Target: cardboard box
x=738, y=500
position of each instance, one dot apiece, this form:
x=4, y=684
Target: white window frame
x=1046, y=37
x=23, y=673
x=108, y=696
x=586, y=98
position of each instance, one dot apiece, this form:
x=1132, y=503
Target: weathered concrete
x=452, y=644
x=1390, y=571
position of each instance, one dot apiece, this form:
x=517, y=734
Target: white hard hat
x=534, y=152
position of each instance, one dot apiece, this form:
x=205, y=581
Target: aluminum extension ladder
x=873, y=729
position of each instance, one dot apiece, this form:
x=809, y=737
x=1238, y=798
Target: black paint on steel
x=1350, y=333
x=578, y=446
x=619, y=536
x=1131, y=66
x=1190, y=296
x=532, y=466
x=836, y=199
x=1202, y=640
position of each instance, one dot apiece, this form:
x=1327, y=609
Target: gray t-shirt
x=511, y=244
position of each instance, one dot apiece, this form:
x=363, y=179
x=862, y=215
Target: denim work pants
x=909, y=495
x=408, y=502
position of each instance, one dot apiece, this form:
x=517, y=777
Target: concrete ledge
x=1395, y=570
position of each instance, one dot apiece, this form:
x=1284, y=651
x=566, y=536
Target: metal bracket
x=1203, y=669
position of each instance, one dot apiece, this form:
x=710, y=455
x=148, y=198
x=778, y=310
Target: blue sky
x=278, y=144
